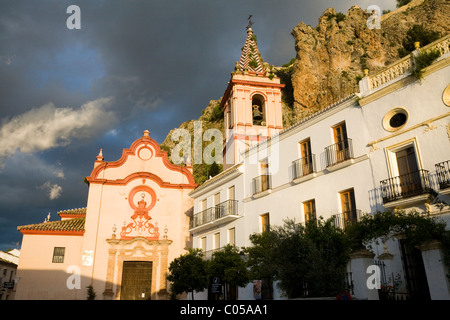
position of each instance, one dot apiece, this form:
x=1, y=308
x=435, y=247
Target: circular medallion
x=395, y=119
x=446, y=96
x=145, y=153
x=142, y=193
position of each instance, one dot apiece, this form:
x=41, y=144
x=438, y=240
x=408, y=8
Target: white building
x=384, y=148
x=8, y=273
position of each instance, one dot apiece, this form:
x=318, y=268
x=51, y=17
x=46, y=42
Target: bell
x=257, y=115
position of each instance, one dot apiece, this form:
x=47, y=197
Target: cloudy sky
x=133, y=65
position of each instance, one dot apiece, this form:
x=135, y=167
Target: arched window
x=258, y=110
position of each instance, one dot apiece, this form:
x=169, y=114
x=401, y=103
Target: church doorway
x=136, y=280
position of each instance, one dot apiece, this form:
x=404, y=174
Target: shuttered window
x=58, y=254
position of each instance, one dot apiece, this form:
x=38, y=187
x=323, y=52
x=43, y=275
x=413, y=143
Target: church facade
x=135, y=223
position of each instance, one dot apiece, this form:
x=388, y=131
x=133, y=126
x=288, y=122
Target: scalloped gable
x=145, y=160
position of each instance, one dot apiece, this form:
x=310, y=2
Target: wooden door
x=348, y=206
x=306, y=162
x=341, y=142
x=136, y=280
x=264, y=175
x=415, y=276
x=409, y=177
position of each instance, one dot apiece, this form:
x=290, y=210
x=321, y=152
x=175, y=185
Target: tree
x=188, y=273
x=228, y=265
x=417, y=33
x=260, y=258
x=90, y=293
x=414, y=227
x=306, y=259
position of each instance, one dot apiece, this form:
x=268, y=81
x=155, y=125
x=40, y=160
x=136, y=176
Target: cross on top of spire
x=250, y=23
x=250, y=59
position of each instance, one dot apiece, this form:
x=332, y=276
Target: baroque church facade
x=135, y=223
x=386, y=147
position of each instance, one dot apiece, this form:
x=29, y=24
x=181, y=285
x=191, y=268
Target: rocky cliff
x=332, y=56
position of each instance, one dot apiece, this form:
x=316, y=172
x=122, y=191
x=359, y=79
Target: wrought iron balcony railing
x=405, y=186
x=304, y=166
x=339, y=152
x=262, y=183
x=346, y=218
x=223, y=209
x=443, y=174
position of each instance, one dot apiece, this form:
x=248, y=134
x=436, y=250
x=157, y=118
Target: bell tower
x=251, y=103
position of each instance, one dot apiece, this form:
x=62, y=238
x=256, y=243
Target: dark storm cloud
x=158, y=63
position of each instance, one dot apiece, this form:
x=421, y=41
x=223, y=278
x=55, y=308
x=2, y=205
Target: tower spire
x=250, y=59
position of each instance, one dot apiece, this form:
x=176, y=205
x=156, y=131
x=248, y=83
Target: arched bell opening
x=258, y=110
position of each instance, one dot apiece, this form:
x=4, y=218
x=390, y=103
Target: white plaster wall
x=36, y=267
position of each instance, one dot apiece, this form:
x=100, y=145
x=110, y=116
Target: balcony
x=303, y=168
x=414, y=186
x=261, y=184
x=346, y=218
x=338, y=152
x=223, y=212
x=443, y=174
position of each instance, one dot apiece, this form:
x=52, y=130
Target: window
x=58, y=254
x=341, y=150
x=395, y=119
x=216, y=199
x=264, y=168
x=409, y=179
x=232, y=236
x=309, y=208
x=305, y=163
x=203, y=205
x=202, y=244
x=217, y=240
x=341, y=141
x=265, y=223
x=348, y=206
x=340, y=133
x=262, y=182
x=305, y=148
x=406, y=161
x=231, y=195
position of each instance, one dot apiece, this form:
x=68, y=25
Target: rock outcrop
x=331, y=57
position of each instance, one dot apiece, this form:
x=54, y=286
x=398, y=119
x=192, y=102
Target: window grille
x=58, y=254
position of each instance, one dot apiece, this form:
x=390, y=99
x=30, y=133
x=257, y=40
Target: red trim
x=232, y=82
x=258, y=84
x=93, y=178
